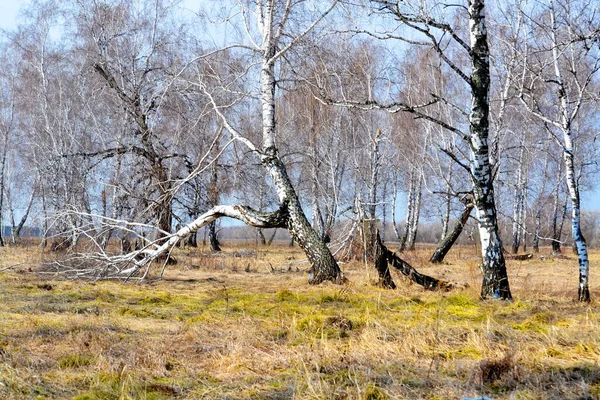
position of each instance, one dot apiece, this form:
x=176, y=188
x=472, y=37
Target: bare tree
x=561, y=58
x=433, y=30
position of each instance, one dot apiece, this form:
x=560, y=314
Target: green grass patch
x=76, y=361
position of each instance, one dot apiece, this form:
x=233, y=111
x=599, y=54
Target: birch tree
x=276, y=36
x=273, y=30
x=561, y=59
x=429, y=23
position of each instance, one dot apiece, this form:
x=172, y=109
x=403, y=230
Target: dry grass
x=247, y=326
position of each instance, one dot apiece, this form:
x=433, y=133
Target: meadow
x=245, y=325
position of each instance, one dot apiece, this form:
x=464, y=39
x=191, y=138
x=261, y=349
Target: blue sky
x=9, y=10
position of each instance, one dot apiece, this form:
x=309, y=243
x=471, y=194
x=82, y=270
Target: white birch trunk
x=409, y=210
x=414, y=223
x=566, y=117
x=495, y=279
x=518, y=204
x=324, y=266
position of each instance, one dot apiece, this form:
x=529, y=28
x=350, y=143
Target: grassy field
x=245, y=325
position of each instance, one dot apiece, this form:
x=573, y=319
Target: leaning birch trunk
x=16, y=231
x=428, y=282
x=324, y=267
x=493, y=267
x=446, y=244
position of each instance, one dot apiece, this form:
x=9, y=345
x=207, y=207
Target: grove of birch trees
x=144, y=123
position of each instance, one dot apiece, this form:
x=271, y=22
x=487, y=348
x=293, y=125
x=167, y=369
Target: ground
x=246, y=325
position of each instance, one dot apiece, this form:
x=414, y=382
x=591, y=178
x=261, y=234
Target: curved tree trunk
x=446, y=244
x=324, y=267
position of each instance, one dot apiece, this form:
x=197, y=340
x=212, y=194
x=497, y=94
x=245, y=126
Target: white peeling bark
x=495, y=279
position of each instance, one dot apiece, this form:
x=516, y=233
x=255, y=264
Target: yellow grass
x=247, y=326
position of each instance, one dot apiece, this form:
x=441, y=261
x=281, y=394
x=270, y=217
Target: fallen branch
x=101, y=265
x=519, y=257
x=10, y=266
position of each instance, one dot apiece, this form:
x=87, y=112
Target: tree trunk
x=44, y=241
x=556, y=226
x=324, y=267
x=523, y=217
x=428, y=282
x=409, y=210
x=192, y=240
x=212, y=237
x=566, y=116
x=3, y=182
x=213, y=193
x=578, y=239
x=540, y=204
x=394, y=198
x=381, y=264
x=495, y=279
x=16, y=231
x=518, y=204
x=447, y=203
x=446, y=244
x=414, y=224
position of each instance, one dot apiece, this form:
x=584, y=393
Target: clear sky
x=8, y=12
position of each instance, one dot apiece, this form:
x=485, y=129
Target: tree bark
x=16, y=231
x=414, y=224
x=446, y=244
x=428, y=282
x=447, y=203
x=409, y=210
x=381, y=264
x=212, y=237
x=495, y=279
x=518, y=204
x=568, y=154
x=324, y=267
x=213, y=194
x=556, y=226
x=540, y=204
x=3, y=182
